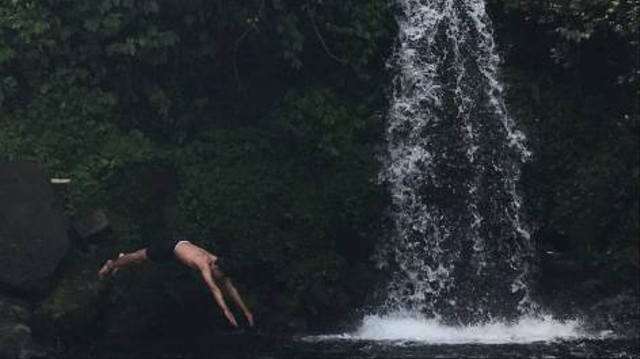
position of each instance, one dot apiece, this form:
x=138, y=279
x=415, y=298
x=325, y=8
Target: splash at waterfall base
x=581, y=302
x=584, y=309
x=400, y=328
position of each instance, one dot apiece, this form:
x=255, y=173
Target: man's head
x=219, y=268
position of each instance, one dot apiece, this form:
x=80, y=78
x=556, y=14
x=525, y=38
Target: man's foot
x=106, y=269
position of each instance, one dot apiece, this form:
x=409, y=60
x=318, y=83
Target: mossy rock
x=78, y=298
x=74, y=304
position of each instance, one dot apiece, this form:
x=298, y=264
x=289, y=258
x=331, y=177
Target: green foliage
x=586, y=34
x=347, y=32
x=274, y=196
x=273, y=166
x=315, y=123
x=582, y=121
x=583, y=181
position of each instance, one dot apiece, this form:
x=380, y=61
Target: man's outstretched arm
x=233, y=292
x=217, y=295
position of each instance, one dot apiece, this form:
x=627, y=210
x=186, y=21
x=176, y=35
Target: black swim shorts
x=161, y=249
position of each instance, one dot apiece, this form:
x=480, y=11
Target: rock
x=619, y=313
x=13, y=339
x=74, y=304
x=33, y=238
x=15, y=330
x=14, y=310
x=91, y=224
x=587, y=289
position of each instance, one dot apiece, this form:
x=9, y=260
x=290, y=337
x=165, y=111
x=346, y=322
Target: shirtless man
x=192, y=256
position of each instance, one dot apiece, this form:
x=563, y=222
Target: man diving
x=194, y=257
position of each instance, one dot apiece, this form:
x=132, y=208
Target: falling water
x=459, y=251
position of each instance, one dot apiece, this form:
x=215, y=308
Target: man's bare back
x=193, y=256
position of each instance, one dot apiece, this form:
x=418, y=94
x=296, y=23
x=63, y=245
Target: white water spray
x=401, y=328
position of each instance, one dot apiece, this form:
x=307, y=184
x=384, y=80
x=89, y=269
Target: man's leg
x=123, y=260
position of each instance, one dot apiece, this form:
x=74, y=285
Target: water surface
x=382, y=337
x=271, y=346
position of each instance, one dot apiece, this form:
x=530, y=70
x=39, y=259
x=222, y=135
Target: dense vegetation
x=573, y=76
x=257, y=125
x=250, y=125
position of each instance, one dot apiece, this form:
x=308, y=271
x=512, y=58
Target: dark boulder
x=33, y=237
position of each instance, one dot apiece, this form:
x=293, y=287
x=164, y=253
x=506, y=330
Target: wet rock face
x=33, y=237
x=571, y=288
x=620, y=313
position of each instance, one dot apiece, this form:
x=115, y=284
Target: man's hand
x=249, y=317
x=230, y=318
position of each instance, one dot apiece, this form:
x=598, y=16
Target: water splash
x=460, y=252
x=399, y=328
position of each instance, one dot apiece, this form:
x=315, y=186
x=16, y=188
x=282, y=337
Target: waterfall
x=459, y=250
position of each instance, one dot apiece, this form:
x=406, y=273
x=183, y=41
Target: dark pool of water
x=270, y=346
